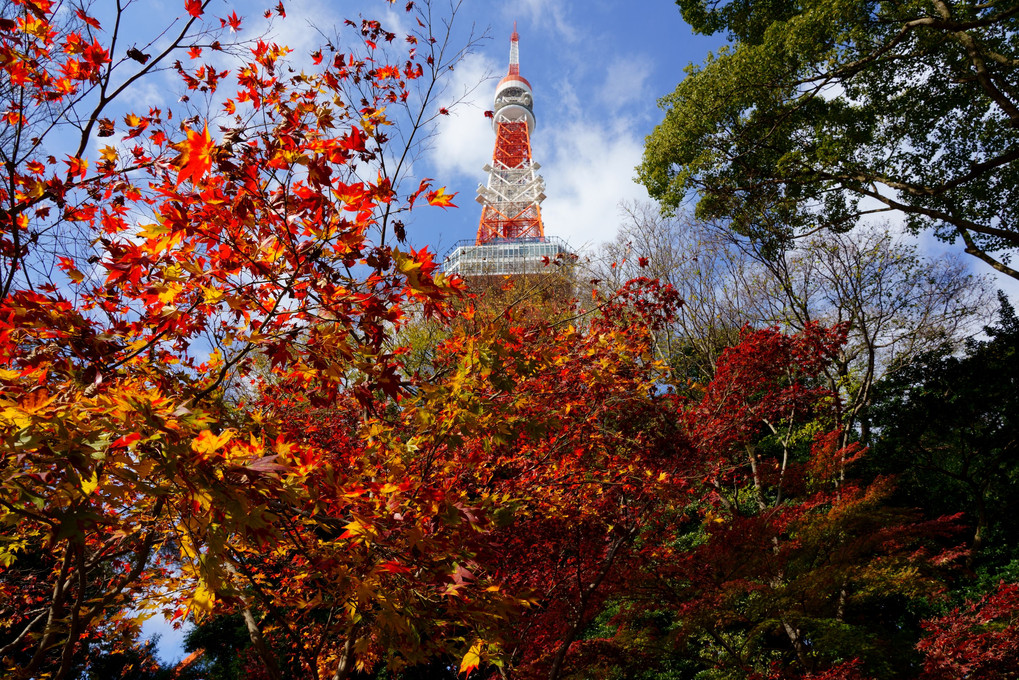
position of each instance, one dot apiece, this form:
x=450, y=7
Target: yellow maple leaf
x=207, y=442
x=472, y=659
x=203, y=601
x=91, y=484
x=440, y=198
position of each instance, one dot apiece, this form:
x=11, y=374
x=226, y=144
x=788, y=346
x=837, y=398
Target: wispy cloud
x=590, y=171
x=547, y=13
x=464, y=139
x=626, y=84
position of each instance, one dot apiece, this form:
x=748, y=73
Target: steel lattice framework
x=512, y=198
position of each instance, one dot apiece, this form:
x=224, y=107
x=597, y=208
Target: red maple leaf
x=196, y=156
x=86, y=18
x=425, y=183
x=126, y=440
x=354, y=141
x=76, y=167
x=194, y=7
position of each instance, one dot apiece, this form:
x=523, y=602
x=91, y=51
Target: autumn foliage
x=206, y=410
x=145, y=289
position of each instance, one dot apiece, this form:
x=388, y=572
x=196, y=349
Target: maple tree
x=587, y=452
x=478, y=469
x=767, y=559
x=139, y=284
x=977, y=640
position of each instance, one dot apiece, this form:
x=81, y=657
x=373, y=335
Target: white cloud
x=591, y=159
x=464, y=139
x=551, y=13
x=626, y=83
x=591, y=170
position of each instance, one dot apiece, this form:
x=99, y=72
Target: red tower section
x=511, y=200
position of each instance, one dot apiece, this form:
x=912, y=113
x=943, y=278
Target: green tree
x=947, y=426
x=822, y=111
x=223, y=643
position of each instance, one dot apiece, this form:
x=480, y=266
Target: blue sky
x=597, y=68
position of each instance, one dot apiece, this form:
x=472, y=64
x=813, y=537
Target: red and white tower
x=511, y=239
x=513, y=195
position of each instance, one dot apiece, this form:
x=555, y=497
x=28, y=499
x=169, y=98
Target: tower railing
x=500, y=257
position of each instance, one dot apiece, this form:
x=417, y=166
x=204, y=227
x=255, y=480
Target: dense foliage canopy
x=822, y=111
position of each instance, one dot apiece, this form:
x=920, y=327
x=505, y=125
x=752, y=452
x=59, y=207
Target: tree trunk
x=585, y=593
x=346, y=658
x=264, y=653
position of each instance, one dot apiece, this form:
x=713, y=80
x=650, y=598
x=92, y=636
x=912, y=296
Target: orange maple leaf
x=440, y=198
x=76, y=167
x=196, y=156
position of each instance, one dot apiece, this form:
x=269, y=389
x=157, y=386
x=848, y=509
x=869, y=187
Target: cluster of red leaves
x=977, y=640
x=784, y=538
x=769, y=377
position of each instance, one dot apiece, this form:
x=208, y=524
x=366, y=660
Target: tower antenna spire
x=514, y=60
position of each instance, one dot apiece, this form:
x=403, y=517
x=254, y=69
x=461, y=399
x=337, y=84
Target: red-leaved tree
x=150, y=287
x=773, y=561
x=978, y=640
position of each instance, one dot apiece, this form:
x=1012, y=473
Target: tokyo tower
x=511, y=237
x=515, y=190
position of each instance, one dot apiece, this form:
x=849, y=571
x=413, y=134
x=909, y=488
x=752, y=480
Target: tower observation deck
x=511, y=237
